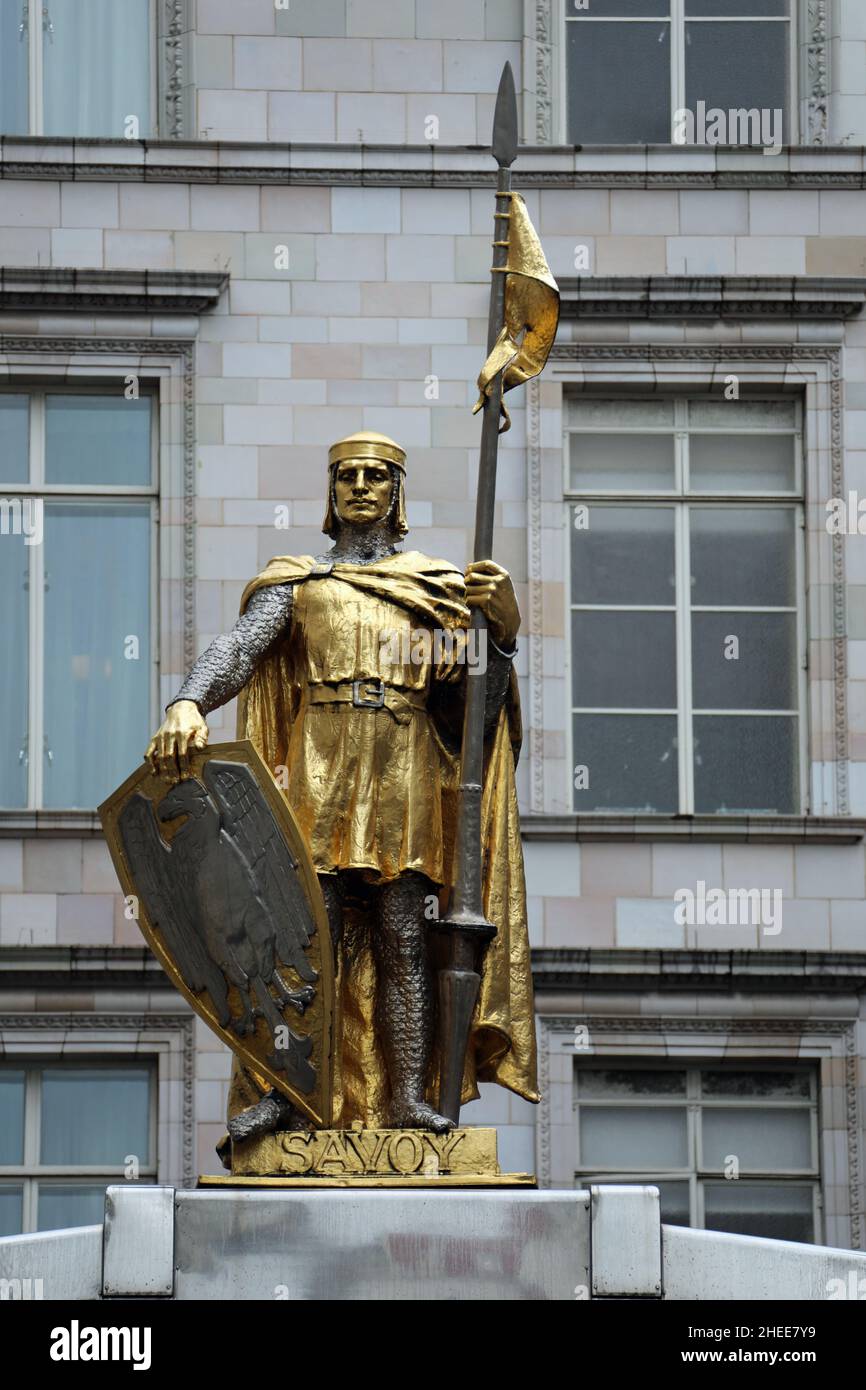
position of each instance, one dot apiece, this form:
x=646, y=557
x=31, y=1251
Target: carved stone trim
x=174, y=25
x=110, y=291
x=844, y=1030
x=544, y=80
x=826, y=356
x=725, y=297
x=183, y=352
x=536, y=595
x=182, y=1025
x=817, y=74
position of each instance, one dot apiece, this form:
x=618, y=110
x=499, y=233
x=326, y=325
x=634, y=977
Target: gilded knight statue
x=351, y=670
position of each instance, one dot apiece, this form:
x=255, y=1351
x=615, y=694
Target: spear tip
x=504, y=141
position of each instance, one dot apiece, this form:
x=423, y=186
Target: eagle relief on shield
x=229, y=902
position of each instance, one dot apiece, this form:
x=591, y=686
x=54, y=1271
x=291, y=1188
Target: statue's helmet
x=367, y=444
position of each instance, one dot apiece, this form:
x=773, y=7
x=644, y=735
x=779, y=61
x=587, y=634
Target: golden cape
x=502, y=1042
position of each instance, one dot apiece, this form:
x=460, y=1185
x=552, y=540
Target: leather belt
x=369, y=694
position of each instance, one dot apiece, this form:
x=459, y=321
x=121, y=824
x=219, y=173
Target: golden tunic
x=376, y=792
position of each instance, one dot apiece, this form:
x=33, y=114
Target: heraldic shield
x=227, y=898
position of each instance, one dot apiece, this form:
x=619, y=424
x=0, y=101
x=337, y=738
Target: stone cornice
x=712, y=297
x=771, y=830
x=110, y=291
x=438, y=166
x=698, y=971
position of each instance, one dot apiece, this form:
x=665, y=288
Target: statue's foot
x=415, y=1114
x=271, y=1113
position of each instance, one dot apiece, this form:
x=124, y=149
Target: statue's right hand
x=183, y=727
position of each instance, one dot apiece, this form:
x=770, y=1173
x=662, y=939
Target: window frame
x=35, y=96
x=680, y=498
x=31, y=1173
x=696, y=1175
x=36, y=389
x=795, y=20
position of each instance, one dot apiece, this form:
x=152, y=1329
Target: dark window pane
x=608, y=1083
x=95, y=1116
x=761, y=1138
x=732, y=9
x=624, y=660
x=746, y=763
x=624, y=555
x=769, y=1085
x=70, y=1204
x=619, y=1138
x=762, y=676
x=14, y=673
x=613, y=461
x=631, y=761
x=778, y=1211
x=618, y=83
x=97, y=690
x=740, y=67
x=14, y=69
x=14, y=437
x=11, y=1206
x=743, y=557
x=11, y=1117
x=613, y=9
x=97, y=439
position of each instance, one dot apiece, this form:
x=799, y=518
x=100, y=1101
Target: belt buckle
x=374, y=698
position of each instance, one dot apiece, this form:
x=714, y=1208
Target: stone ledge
x=768, y=830
x=630, y=969
x=110, y=291
x=463, y=166
x=712, y=297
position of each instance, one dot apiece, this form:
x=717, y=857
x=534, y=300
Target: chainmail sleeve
x=230, y=660
x=499, y=665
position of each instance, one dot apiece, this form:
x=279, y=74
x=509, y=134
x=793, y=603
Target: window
x=66, y=1133
x=687, y=648
x=632, y=65
x=77, y=67
x=731, y=1148
x=77, y=503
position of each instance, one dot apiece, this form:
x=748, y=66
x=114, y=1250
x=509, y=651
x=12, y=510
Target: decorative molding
x=767, y=830
x=182, y=351
x=640, y=1028
x=182, y=1025
x=712, y=297
x=840, y=642
x=175, y=23
x=536, y=595
x=429, y=166
x=110, y=291
x=817, y=74
x=825, y=359
x=544, y=49
x=612, y=969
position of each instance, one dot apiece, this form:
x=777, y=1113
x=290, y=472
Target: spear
x=467, y=927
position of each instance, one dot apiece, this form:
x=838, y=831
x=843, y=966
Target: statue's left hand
x=489, y=587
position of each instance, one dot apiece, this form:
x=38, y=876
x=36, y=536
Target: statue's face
x=362, y=490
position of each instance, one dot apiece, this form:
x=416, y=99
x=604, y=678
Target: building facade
x=232, y=231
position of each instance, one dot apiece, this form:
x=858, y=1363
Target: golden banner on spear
x=531, y=310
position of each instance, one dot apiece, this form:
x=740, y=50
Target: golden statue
x=352, y=669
